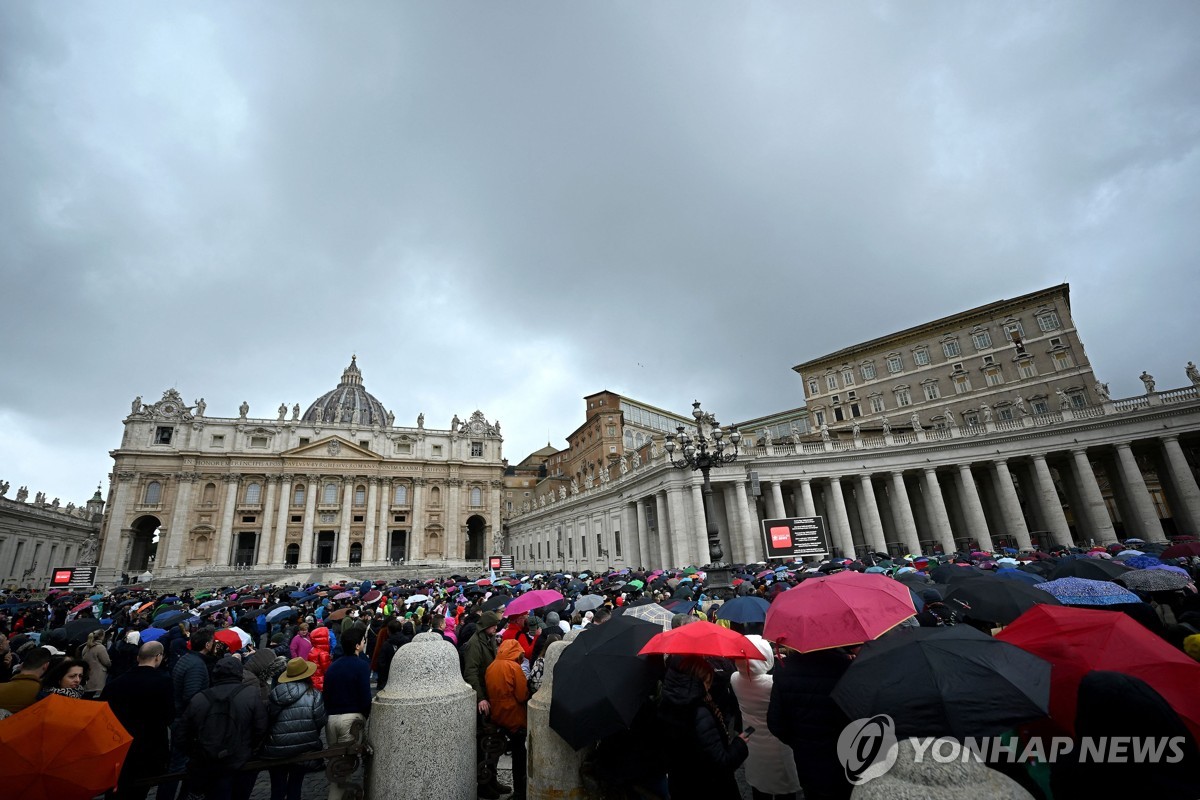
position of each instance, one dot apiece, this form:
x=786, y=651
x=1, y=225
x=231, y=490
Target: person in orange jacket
x=508, y=694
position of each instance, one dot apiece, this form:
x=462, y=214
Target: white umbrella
x=210, y=603
x=416, y=598
x=276, y=613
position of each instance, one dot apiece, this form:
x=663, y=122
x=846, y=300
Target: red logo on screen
x=61, y=577
x=494, y=562
x=781, y=536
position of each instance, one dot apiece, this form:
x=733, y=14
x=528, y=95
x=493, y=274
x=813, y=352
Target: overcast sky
x=508, y=206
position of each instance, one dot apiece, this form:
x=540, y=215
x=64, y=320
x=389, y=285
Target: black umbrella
x=496, y=601
x=1043, y=569
x=600, y=681
x=1093, y=569
x=948, y=573
x=77, y=630
x=947, y=681
x=993, y=600
x=914, y=580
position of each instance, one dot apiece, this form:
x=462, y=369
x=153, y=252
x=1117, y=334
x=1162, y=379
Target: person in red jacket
x=508, y=695
x=319, y=655
x=523, y=630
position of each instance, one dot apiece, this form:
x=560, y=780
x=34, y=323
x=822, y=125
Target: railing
x=903, y=438
x=973, y=430
x=938, y=434
x=1009, y=425
x=1179, y=395
x=1049, y=418
x=1132, y=403
x=1088, y=412
x=813, y=447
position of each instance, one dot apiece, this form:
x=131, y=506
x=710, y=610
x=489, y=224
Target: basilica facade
x=340, y=485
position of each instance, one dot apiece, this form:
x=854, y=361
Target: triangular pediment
x=332, y=447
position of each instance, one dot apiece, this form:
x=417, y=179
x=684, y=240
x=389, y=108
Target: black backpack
x=218, y=729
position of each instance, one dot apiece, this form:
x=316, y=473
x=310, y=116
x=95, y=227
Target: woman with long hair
x=702, y=751
x=65, y=677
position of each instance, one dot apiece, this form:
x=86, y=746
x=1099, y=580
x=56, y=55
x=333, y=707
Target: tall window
x=921, y=356
x=903, y=397
x=210, y=494
x=298, y=494
x=153, y=493
x=1005, y=413
x=360, y=495
x=1014, y=331
x=400, y=495
x=876, y=404
x=1048, y=321
x=253, y=494
x=476, y=496
x=994, y=376
x=848, y=378
x=895, y=364
x=819, y=416
x=931, y=391
x=868, y=371
x=814, y=387
x=981, y=339
x=617, y=542
x=950, y=348
x=476, y=449
x=1027, y=368
x=962, y=384
x=831, y=382
x=1040, y=406
x=330, y=495
x=1063, y=361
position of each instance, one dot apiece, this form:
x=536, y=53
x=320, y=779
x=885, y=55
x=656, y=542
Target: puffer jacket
x=701, y=756
x=803, y=716
x=319, y=655
x=297, y=714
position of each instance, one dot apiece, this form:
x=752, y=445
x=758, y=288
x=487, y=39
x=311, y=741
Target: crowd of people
x=217, y=685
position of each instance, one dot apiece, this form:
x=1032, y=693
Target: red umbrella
x=701, y=639
x=531, y=600
x=1078, y=640
x=1184, y=550
x=838, y=610
x=230, y=638
x=483, y=582
x=372, y=596
x=81, y=606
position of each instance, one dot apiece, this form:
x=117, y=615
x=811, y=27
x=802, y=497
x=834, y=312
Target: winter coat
x=260, y=669
x=300, y=646
x=770, y=767
x=249, y=714
x=142, y=701
x=507, y=686
x=803, y=716
x=319, y=655
x=189, y=678
x=98, y=662
x=478, y=655
x=383, y=666
x=297, y=716
x=701, y=756
x=123, y=659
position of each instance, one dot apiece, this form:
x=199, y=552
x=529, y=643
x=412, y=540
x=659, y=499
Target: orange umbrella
x=61, y=749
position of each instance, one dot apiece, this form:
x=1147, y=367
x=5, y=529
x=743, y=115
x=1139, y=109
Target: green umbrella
x=635, y=584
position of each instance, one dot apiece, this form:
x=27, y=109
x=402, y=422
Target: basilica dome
x=349, y=403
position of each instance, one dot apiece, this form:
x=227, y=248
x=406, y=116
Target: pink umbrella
x=81, y=606
x=342, y=596
x=529, y=601
x=838, y=610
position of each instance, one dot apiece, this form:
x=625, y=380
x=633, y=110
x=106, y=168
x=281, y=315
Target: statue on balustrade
x=22, y=494
x=1102, y=391
x=40, y=499
x=3, y=488
x=1064, y=401
x=282, y=411
x=856, y=431
x=624, y=465
x=421, y=420
x=243, y=409
x=200, y=407
x=1193, y=374
x=136, y=406
x=795, y=435
x=887, y=425
x=768, y=439
x=562, y=493
x=296, y=412
x=1148, y=380
x=824, y=432
x=1019, y=404
x=987, y=412
x=915, y=419
x=637, y=458
x=574, y=486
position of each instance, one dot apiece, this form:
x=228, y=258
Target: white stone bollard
x=553, y=764
x=425, y=697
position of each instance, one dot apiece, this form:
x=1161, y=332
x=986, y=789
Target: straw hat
x=297, y=670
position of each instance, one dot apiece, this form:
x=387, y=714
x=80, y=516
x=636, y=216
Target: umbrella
x=1141, y=562
x=953, y=681
x=837, y=610
x=96, y=597
x=77, y=630
x=589, y=602
x=635, y=584
x=1018, y=575
x=532, y=600
x=949, y=573
x=84, y=605
x=211, y=603
x=600, y=681
x=1184, y=550
x=336, y=615
x=1093, y=569
x=681, y=606
x=282, y=612
x=343, y=596
x=372, y=596
x=991, y=600
x=496, y=601
x=62, y=749
x=702, y=638
x=416, y=598
x=1153, y=580
x=1082, y=592
x=233, y=638
x=169, y=618
x=153, y=634
x=745, y=609
x=649, y=611
x=1078, y=640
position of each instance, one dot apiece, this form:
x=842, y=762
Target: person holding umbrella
x=701, y=752
x=770, y=768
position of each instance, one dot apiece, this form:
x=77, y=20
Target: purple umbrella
x=1084, y=592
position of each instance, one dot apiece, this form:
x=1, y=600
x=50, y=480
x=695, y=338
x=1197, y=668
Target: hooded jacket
x=507, y=687
x=702, y=758
x=297, y=716
x=260, y=669
x=770, y=767
x=478, y=654
x=249, y=714
x=319, y=655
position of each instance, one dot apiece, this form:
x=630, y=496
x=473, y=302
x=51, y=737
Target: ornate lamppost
x=702, y=452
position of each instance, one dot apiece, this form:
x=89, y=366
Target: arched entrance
x=143, y=543
x=476, y=535
x=292, y=557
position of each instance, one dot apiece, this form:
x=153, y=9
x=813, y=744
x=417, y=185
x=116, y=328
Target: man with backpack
x=189, y=677
x=222, y=727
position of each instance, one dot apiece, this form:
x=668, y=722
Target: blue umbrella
x=680, y=606
x=298, y=594
x=1142, y=562
x=280, y=613
x=747, y=609
x=1018, y=575
x=1084, y=592
x=153, y=634
x=169, y=618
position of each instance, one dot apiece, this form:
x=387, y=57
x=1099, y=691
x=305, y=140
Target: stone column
x=935, y=508
x=383, y=523
x=747, y=519
x=1049, y=502
x=425, y=691
x=1146, y=521
x=1094, y=510
x=279, y=544
x=112, y=547
x=664, y=530
x=735, y=554
x=221, y=555
x=779, y=509
x=554, y=766
x=843, y=540
x=700, y=532
x=629, y=549
x=343, y=542
x=972, y=507
x=1184, y=481
x=370, y=544
x=1010, y=504
x=902, y=513
x=643, y=535
x=455, y=549
x=807, y=506
x=680, y=535
x=264, y=549
x=171, y=555
x=870, y=511
x=310, y=515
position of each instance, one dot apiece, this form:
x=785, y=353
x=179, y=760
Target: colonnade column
x=170, y=556
x=414, y=550
x=310, y=515
x=1146, y=522
x=935, y=508
x=780, y=510
x=1050, y=504
x=843, y=538
x=266, y=538
x=1184, y=482
x=1094, y=510
x=643, y=534
x=370, y=545
x=698, y=513
x=902, y=513
x=112, y=545
x=343, y=541
x=279, y=542
x=873, y=522
x=630, y=526
x=222, y=556
x=454, y=534
x=1010, y=505
x=680, y=535
x=808, y=506
x=664, y=531
x=749, y=550
x=733, y=525
x=972, y=507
